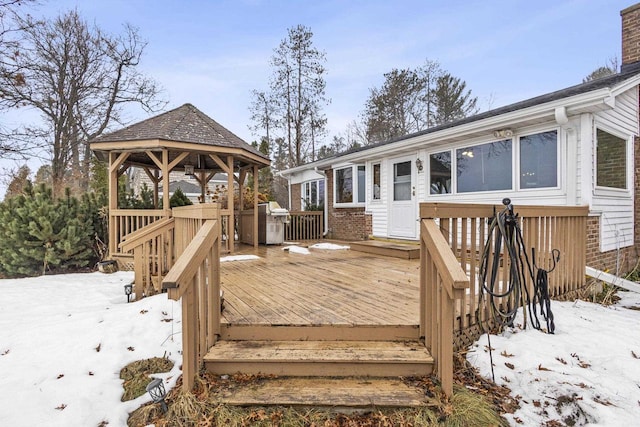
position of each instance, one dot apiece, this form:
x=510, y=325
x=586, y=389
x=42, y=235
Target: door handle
x=413, y=191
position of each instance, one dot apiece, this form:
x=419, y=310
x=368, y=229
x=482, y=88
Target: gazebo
x=181, y=140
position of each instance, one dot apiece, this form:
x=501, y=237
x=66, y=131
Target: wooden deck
x=342, y=288
x=337, y=313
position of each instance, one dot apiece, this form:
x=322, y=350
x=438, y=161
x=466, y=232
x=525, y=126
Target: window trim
x=612, y=191
x=354, y=186
x=491, y=141
x=303, y=198
x=373, y=193
x=558, y=161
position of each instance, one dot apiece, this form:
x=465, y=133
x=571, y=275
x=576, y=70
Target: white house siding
x=616, y=209
x=306, y=175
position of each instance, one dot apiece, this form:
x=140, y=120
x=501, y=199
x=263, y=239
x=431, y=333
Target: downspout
x=326, y=201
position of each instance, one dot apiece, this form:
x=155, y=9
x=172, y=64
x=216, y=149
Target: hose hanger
x=504, y=230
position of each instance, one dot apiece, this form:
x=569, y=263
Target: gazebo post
x=166, y=203
x=231, y=230
x=255, y=206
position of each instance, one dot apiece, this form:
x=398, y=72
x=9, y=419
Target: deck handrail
x=442, y=281
x=304, y=225
x=195, y=277
x=146, y=233
x=153, y=255
x=124, y=222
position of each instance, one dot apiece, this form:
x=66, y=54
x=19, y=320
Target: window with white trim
x=611, y=161
x=539, y=160
x=485, y=167
x=313, y=195
x=349, y=185
x=490, y=166
x=375, y=190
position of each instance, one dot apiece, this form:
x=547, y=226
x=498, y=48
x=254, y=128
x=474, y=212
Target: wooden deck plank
x=354, y=393
x=320, y=358
x=318, y=351
x=325, y=287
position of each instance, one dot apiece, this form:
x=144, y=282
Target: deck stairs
x=392, y=248
x=320, y=351
x=340, y=367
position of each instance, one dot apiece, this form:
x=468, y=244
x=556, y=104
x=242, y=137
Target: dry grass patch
x=136, y=375
x=203, y=408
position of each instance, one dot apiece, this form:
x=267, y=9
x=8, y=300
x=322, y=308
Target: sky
x=65, y=338
x=212, y=54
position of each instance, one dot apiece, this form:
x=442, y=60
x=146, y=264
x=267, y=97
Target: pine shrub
x=39, y=234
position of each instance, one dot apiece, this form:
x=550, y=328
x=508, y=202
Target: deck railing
x=465, y=228
x=442, y=283
x=304, y=225
x=153, y=255
x=123, y=222
x=195, y=277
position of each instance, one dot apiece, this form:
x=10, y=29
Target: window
x=347, y=190
x=313, y=195
x=611, y=160
x=440, y=173
x=485, y=167
x=362, y=182
x=539, y=160
x=402, y=181
x=375, y=191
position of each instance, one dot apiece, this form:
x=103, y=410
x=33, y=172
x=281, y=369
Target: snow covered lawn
x=587, y=373
x=63, y=341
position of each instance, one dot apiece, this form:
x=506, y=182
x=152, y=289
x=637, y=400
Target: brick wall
x=346, y=223
x=296, y=197
x=630, y=34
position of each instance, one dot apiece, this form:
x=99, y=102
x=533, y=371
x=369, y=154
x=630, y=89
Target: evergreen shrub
x=40, y=235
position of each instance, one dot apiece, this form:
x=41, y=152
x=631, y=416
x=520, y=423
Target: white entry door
x=402, y=194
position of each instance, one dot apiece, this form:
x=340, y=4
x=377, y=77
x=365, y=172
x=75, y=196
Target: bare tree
x=79, y=79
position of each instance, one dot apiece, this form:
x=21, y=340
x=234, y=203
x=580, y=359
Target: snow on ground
x=52, y=327
x=295, y=249
x=328, y=246
x=238, y=258
x=587, y=373
x=63, y=341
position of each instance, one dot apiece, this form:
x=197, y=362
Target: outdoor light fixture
x=419, y=164
x=503, y=133
x=189, y=169
x=156, y=389
x=128, y=290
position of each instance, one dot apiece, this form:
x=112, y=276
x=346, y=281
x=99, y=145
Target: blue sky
x=213, y=53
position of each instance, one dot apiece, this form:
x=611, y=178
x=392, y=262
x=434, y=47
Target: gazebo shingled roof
x=183, y=124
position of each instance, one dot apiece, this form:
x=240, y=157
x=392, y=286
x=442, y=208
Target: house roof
x=627, y=72
x=183, y=124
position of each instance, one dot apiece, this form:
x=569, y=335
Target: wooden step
x=320, y=358
x=334, y=332
x=342, y=394
x=392, y=249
